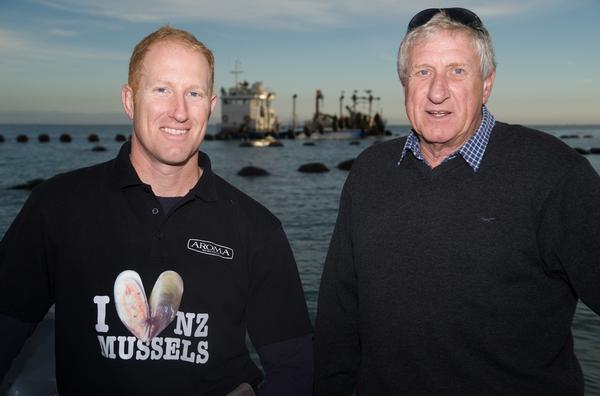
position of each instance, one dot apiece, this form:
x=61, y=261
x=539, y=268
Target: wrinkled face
x=444, y=92
x=171, y=107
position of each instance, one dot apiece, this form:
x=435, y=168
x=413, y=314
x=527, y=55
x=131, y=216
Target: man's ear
x=213, y=103
x=127, y=100
x=488, y=84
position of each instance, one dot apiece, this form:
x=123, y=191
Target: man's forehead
x=443, y=41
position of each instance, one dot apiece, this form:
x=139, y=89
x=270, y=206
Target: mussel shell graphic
x=164, y=301
x=146, y=321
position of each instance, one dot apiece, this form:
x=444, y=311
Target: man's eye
x=160, y=90
x=422, y=72
x=196, y=94
x=457, y=71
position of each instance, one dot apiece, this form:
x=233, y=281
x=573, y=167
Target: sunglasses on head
x=460, y=15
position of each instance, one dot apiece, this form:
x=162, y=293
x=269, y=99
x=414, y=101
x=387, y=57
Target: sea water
x=306, y=204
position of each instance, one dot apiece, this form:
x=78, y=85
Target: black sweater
x=447, y=281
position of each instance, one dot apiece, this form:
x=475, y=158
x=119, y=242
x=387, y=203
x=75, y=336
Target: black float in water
x=581, y=151
x=276, y=143
x=313, y=167
x=208, y=136
x=354, y=143
x=252, y=171
x=22, y=138
x=1, y=138
x=99, y=148
x=93, y=138
x=309, y=144
x=44, y=138
x=245, y=143
x=27, y=185
x=345, y=165
x=595, y=150
x=120, y=138
x=65, y=138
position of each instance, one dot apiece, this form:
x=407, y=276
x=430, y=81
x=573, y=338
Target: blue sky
x=65, y=60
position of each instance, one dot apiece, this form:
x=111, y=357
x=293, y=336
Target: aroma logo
x=210, y=248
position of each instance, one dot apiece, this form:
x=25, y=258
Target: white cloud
x=23, y=46
x=285, y=14
x=62, y=32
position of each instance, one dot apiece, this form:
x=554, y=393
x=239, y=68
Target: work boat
x=353, y=125
x=247, y=112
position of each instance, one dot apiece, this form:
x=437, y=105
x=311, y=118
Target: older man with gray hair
x=461, y=250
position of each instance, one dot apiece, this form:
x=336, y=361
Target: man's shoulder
x=76, y=180
x=531, y=140
x=529, y=145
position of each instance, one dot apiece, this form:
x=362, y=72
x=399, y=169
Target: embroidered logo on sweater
x=210, y=248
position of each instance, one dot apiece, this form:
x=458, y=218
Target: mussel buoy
x=65, y=138
x=44, y=138
x=22, y=138
x=93, y=138
x=252, y=171
x=313, y=167
x=345, y=165
x=27, y=185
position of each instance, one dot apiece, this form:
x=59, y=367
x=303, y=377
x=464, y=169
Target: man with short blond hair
x=158, y=268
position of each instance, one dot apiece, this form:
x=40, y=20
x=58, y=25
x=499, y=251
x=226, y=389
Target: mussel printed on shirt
x=146, y=320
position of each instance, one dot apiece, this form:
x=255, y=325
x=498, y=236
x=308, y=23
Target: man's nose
x=438, y=90
x=179, y=109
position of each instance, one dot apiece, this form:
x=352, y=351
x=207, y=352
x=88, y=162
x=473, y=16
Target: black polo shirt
x=80, y=230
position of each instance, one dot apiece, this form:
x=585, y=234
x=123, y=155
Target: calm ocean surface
x=305, y=203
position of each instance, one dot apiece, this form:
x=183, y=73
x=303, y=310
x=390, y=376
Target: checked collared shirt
x=472, y=151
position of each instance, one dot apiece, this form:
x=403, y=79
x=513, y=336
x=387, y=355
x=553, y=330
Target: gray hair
x=482, y=42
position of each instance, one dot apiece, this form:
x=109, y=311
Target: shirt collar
x=472, y=151
x=124, y=175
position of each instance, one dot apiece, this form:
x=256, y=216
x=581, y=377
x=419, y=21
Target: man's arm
x=569, y=233
x=25, y=285
x=288, y=367
x=277, y=316
x=13, y=334
x=337, y=348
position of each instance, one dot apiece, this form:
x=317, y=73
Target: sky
x=64, y=61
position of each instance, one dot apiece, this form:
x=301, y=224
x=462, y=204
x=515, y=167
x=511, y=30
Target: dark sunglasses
x=460, y=15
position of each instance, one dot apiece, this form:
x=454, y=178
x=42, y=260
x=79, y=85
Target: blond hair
x=166, y=33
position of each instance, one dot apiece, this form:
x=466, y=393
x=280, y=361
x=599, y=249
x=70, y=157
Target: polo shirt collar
x=124, y=175
x=472, y=151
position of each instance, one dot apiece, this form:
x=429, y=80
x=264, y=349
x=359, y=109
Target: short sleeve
x=276, y=309
x=26, y=291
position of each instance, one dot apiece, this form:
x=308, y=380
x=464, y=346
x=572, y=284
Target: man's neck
x=435, y=153
x=168, y=180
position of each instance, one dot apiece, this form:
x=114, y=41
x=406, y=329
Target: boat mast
x=236, y=70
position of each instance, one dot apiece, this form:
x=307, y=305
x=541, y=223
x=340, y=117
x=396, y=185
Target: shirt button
x=154, y=211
